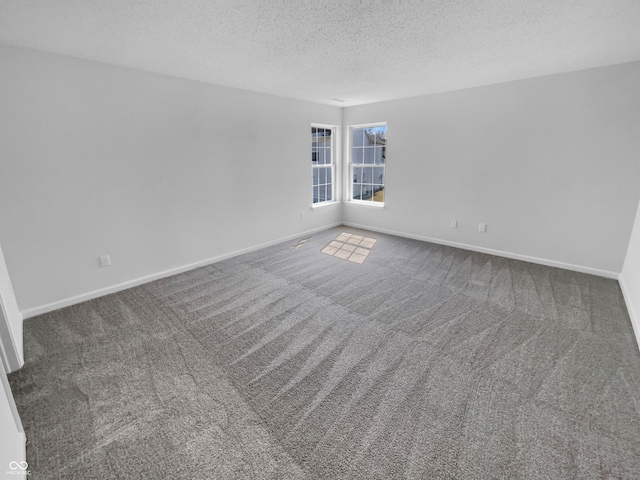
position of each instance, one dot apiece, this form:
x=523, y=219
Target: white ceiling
x=360, y=51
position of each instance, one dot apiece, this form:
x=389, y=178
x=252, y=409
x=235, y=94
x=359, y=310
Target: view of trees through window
x=368, y=155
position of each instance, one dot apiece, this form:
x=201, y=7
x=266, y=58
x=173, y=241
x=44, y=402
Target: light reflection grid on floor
x=351, y=247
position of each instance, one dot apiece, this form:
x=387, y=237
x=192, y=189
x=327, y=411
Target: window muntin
x=323, y=164
x=367, y=165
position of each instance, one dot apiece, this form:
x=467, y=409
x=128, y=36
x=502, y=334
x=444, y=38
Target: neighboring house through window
x=323, y=163
x=367, y=162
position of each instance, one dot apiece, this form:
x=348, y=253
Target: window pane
x=323, y=193
x=327, y=156
x=329, y=193
x=314, y=157
x=357, y=174
x=367, y=192
x=378, y=175
x=329, y=179
x=322, y=175
x=369, y=137
x=315, y=176
x=378, y=195
x=380, y=135
x=356, y=155
x=377, y=155
x=367, y=175
x=315, y=194
x=357, y=188
x=357, y=137
x=369, y=154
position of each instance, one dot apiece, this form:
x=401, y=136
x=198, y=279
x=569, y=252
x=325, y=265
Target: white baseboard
x=167, y=273
x=49, y=307
x=633, y=314
x=499, y=253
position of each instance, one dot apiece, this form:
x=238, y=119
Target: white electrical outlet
x=454, y=224
x=482, y=227
x=105, y=261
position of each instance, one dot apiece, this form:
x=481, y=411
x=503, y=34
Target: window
x=367, y=166
x=323, y=163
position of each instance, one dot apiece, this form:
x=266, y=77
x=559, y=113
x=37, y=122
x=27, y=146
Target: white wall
x=163, y=173
x=155, y=171
x=549, y=164
x=630, y=276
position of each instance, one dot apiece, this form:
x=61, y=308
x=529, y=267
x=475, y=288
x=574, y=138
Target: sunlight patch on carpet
x=347, y=246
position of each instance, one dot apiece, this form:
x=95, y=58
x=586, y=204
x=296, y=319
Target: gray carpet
x=424, y=362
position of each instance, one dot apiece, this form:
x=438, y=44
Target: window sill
x=324, y=204
x=365, y=204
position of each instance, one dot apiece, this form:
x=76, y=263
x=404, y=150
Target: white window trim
x=347, y=171
x=335, y=148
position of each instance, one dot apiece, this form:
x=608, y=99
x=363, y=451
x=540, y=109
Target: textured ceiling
x=359, y=51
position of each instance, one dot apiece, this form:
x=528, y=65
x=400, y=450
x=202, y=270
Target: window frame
x=334, y=162
x=349, y=170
